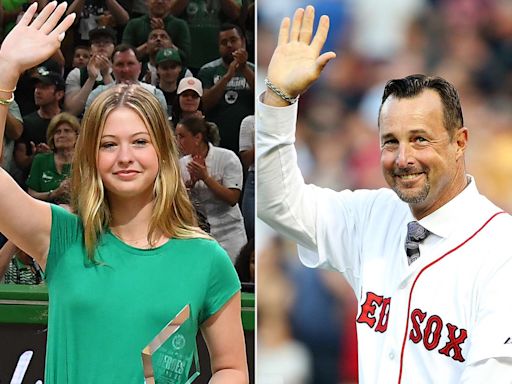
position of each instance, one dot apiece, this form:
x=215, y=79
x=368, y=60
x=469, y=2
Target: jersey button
x=391, y=355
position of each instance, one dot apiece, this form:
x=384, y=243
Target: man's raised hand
x=296, y=62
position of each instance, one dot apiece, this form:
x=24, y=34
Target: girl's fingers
x=28, y=15
x=50, y=23
x=43, y=15
x=63, y=26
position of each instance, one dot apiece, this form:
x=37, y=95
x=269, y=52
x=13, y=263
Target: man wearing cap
x=137, y=30
x=170, y=71
x=126, y=68
x=229, y=86
x=81, y=81
x=158, y=39
x=49, y=91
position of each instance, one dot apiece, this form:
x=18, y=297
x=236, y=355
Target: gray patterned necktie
x=415, y=234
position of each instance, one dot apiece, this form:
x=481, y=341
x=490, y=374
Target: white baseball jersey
x=443, y=319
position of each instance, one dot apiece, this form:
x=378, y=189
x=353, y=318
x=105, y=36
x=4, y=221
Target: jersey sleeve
x=66, y=229
x=223, y=283
x=491, y=336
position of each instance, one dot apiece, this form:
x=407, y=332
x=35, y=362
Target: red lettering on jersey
x=431, y=335
x=417, y=317
x=432, y=331
x=368, y=309
x=382, y=325
x=454, y=342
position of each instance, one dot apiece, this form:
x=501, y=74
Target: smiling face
x=127, y=160
x=189, y=101
x=420, y=161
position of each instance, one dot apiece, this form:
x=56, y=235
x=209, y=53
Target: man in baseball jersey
x=428, y=259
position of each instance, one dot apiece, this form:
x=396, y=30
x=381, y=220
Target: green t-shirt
x=236, y=103
x=43, y=176
x=102, y=316
x=204, y=18
x=137, y=31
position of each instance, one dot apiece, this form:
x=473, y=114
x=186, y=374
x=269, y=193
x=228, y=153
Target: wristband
x=280, y=92
x=7, y=101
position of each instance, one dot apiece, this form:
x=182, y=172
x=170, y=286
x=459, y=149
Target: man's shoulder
x=212, y=64
x=175, y=21
x=73, y=75
x=138, y=21
x=31, y=118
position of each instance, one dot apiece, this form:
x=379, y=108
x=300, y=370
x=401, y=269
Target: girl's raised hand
x=32, y=41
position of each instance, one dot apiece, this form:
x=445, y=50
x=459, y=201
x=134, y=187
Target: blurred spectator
x=281, y=358
x=81, y=56
x=170, y=71
x=126, y=68
x=13, y=131
x=204, y=18
x=247, y=150
x=245, y=263
x=24, y=93
x=92, y=14
x=16, y=267
x=247, y=22
x=137, y=30
x=81, y=81
x=229, y=86
x=214, y=178
x=189, y=102
x=49, y=175
x=48, y=94
x=316, y=317
x=159, y=39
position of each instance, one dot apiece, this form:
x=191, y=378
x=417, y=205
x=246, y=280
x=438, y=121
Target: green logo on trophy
x=171, y=357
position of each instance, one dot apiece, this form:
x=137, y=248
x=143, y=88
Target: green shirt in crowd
x=43, y=176
x=137, y=31
x=204, y=18
x=102, y=316
x=236, y=103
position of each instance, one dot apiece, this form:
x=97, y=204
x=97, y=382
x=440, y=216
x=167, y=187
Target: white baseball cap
x=190, y=83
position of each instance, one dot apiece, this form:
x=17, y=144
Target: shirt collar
x=455, y=213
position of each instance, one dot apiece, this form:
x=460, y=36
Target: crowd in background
x=195, y=56
x=306, y=328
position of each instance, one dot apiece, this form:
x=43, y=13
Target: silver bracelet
x=280, y=93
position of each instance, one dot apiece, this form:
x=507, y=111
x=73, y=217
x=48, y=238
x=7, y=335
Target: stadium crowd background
x=306, y=331
x=162, y=45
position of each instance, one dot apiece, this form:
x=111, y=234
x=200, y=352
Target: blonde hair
x=173, y=214
x=56, y=122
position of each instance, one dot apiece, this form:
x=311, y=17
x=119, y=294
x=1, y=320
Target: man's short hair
x=413, y=85
x=125, y=48
x=229, y=26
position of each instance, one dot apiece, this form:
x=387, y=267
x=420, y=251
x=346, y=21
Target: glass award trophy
x=171, y=357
